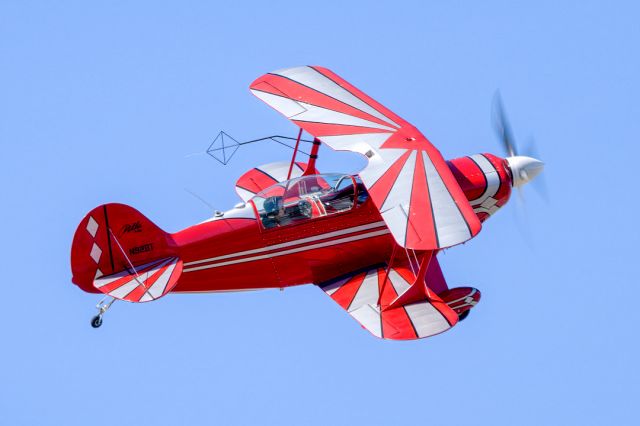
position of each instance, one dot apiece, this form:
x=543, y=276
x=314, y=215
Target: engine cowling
x=486, y=181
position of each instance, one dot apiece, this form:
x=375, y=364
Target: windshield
x=307, y=197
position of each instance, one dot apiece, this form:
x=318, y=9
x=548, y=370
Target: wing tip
x=282, y=72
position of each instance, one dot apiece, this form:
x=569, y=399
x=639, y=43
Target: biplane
x=370, y=241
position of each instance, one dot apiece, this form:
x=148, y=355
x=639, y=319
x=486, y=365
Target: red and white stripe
x=148, y=282
x=408, y=180
x=343, y=236
x=461, y=299
x=365, y=295
x=486, y=202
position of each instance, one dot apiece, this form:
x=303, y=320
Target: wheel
x=463, y=315
x=96, y=321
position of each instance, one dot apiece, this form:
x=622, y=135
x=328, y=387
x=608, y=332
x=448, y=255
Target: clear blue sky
x=105, y=102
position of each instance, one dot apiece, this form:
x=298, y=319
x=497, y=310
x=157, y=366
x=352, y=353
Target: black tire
x=96, y=321
x=463, y=315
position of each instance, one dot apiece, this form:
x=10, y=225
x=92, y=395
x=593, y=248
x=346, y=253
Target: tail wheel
x=96, y=321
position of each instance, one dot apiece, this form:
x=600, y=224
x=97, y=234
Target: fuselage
x=242, y=251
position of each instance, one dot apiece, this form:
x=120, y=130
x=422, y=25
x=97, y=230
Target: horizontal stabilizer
x=144, y=283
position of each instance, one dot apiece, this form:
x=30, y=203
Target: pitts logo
x=132, y=227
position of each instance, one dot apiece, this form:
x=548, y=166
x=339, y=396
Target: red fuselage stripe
x=296, y=246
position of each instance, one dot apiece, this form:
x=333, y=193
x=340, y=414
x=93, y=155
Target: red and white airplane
x=369, y=241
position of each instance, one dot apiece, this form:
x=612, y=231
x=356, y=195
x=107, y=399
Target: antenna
x=223, y=147
x=216, y=212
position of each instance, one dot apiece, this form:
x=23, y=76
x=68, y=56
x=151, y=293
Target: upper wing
x=408, y=180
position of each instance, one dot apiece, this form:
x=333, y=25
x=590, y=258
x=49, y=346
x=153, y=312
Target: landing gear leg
x=102, y=307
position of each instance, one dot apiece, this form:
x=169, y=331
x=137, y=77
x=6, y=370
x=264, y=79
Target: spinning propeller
x=523, y=168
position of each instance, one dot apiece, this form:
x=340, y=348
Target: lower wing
x=367, y=296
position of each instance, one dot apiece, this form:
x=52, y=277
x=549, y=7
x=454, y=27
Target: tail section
x=118, y=251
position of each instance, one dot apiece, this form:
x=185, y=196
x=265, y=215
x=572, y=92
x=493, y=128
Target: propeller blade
x=522, y=220
x=526, y=166
x=502, y=127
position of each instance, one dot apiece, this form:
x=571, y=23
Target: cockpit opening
x=308, y=197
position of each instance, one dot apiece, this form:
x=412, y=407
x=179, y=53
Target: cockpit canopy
x=308, y=197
